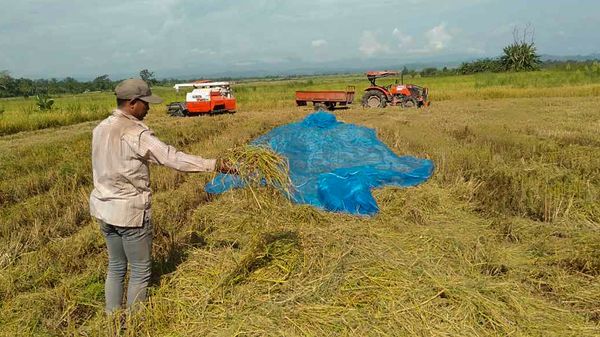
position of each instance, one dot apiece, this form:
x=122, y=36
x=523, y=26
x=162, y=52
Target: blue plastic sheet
x=334, y=165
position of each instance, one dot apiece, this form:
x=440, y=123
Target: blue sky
x=56, y=38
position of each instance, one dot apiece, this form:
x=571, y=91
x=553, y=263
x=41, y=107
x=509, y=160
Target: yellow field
x=503, y=240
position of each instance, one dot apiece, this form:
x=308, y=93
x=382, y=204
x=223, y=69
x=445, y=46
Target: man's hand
x=225, y=166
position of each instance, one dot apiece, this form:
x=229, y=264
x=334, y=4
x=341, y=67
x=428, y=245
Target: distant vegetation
x=519, y=56
x=24, y=87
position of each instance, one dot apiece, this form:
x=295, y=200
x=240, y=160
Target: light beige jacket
x=122, y=148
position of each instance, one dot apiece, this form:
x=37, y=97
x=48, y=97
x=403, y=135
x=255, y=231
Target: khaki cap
x=135, y=88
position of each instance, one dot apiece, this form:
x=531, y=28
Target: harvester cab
x=405, y=95
x=206, y=97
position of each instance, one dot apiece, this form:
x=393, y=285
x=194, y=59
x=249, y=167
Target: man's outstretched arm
x=156, y=151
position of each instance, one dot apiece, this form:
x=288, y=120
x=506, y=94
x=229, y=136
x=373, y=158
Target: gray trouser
x=133, y=245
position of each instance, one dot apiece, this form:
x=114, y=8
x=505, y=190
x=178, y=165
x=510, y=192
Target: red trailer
x=326, y=98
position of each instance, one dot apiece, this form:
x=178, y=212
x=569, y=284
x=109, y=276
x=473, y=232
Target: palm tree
x=521, y=55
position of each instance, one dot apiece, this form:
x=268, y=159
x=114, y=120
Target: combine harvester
x=206, y=98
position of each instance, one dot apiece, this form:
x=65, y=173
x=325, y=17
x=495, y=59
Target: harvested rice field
x=503, y=240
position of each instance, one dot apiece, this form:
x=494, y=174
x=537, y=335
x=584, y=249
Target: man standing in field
x=122, y=148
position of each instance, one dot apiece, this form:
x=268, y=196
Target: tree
x=102, y=83
x=26, y=87
x=480, y=66
x=147, y=76
x=430, y=71
x=70, y=85
x=521, y=55
x=4, y=77
x=7, y=84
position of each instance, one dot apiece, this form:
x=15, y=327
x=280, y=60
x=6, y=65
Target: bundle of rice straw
x=259, y=165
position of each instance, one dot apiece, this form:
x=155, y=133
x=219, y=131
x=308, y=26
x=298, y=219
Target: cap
x=135, y=88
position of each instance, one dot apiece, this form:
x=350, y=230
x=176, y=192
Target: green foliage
x=430, y=71
x=102, y=83
x=520, y=56
x=44, y=102
x=147, y=76
x=481, y=66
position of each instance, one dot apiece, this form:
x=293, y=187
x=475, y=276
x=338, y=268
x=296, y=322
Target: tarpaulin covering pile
x=334, y=165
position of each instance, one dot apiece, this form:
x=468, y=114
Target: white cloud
x=404, y=40
x=438, y=37
x=79, y=38
x=369, y=45
x=318, y=43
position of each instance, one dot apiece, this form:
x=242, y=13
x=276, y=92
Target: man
x=122, y=148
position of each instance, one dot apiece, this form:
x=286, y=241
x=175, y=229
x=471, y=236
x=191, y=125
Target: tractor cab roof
x=373, y=75
x=378, y=74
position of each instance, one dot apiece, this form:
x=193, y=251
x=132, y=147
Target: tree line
x=25, y=87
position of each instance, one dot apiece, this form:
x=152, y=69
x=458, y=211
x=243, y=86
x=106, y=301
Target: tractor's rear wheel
x=374, y=99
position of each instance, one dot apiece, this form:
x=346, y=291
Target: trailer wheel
x=374, y=99
x=318, y=106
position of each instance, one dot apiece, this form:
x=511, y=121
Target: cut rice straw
x=259, y=166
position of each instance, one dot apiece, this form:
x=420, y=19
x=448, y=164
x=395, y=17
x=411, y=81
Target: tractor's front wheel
x=177, y=109
x=410, y=103
x=374, y=99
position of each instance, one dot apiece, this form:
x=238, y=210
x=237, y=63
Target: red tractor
x=405, y=95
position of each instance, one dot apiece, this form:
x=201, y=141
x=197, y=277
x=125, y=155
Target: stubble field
x=504, y=239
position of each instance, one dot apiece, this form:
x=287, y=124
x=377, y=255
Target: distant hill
x=262, y=69
x=595, y=56
x=356, y=65
x=259, y=69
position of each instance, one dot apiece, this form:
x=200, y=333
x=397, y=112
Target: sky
x=85, y=39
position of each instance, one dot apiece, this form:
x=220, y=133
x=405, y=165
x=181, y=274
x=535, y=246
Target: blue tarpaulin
x=334, y=165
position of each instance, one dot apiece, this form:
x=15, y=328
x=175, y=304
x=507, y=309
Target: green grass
x=23, y=115
x=503, y=240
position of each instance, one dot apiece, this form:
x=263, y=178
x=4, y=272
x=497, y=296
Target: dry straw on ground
x=503, y=240
x=260, y=166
